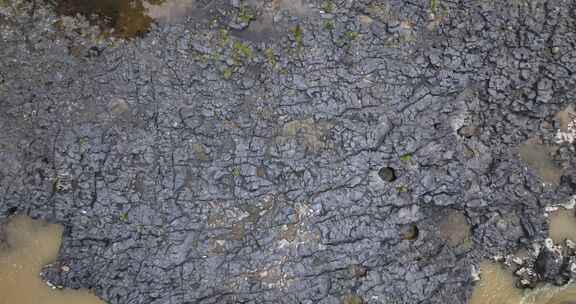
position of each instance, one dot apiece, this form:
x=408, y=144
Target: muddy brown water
x=562, y=226
x=26, y=246
x=121, y=18
x=497, y=285
x=565, y=116
x=133, y=18
x=128, y=18
x=539, y=158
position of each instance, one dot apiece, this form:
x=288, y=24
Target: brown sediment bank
x=26, y=246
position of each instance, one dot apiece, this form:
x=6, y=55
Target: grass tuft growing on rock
x=297, y=32
x=242, y=50
x=245, y=14
x=328, y=6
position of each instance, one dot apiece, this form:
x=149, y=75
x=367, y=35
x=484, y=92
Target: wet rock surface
x=190, y=166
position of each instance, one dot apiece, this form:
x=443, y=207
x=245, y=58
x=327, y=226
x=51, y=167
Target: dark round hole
x=387, y=174
x=409, y=232
x=12, y=210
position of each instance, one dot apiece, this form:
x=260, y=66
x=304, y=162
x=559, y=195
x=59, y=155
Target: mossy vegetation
x=270, y=57
x=297, y=33
x=351, y=35
x=123, y=217
x=227, y=72
x=56, y=186
x=241, y=50
x=236, y=172
x=347, y=39
x=328, y=6
x=215, y=56
x=406, y=158
x=200, y=56
x=83, y=141
x=402, y=189
x=224, y=37
x=434, y=7
x=245, y=14
x=328, y=25
x=438, y=12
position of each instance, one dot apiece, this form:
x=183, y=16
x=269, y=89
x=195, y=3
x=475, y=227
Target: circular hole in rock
x=387, y=174
x=409, y=232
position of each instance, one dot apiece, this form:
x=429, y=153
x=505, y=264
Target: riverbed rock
x=322, y=105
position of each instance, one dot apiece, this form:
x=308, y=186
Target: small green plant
x=245, y=15
x=346, y=39
x=240, y=50
x=270, y=57
x=123, y=217
x=83, y=141
x=351, y=35
x=215, y=56
x=203, y=58
x=227, y=72
x=434, y=6
x=236, y=172
x=406, y=157
x=224, y=37
x=297, y=32
x=328, y=6
x=56, y=186
x=402, y=189
x=328, y=24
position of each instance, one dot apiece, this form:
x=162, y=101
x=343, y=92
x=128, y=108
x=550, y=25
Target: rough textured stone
x=250, y=174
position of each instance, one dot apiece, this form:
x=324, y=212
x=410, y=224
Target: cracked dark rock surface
x=192, y=167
